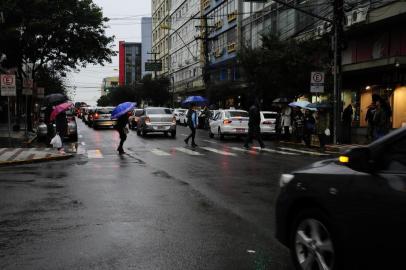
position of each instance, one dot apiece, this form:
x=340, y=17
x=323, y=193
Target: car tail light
x=96, y=116
x=267, y=123
x=174, y=120
x=147, y=120
x=227, y=121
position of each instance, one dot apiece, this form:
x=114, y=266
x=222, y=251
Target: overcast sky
x=125, y=24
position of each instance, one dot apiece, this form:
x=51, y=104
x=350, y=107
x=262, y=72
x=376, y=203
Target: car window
x=236, y=114
x=104, y=111
x=218, y=116
x=394, y=157
x=269, y=115
x=159, y=111
x=138, y=112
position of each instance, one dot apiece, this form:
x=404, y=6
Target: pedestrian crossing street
x=232, y=151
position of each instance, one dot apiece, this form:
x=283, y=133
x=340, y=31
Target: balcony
x=218, y=25
x=232, y=47
x=232, y=16
x=206, y=4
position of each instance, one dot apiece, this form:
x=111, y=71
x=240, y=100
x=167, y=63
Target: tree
x=281, y=68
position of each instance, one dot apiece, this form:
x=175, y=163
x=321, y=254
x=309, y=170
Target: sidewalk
x=18, y=138
x=16, y=156
x=334, y=148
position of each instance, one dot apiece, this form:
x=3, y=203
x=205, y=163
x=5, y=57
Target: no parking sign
x=317, y=82
x=8, y=85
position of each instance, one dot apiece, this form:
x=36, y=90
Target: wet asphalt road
x=156, y=207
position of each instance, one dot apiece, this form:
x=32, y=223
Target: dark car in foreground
x=348, y=213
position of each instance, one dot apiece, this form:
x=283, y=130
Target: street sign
x=8, y=85
x=153, y=66
x=28, y=84
x=40, y=92
x=317, y=82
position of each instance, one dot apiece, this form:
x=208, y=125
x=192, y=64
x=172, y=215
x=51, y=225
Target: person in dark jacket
x=122, y=122
x=192, y=121
x=308, y=127
x=61, y=126
x=369, y=118
x=254, y=128
x=346, y=122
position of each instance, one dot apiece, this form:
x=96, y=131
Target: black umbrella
x=321, y=105
x=55, y=99
x=281, y=100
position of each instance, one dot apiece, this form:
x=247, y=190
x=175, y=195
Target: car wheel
x=211, y=135
x=173, y=134
x=138, y=132
x=221, y=135
x=312, y=243
x=166, y=133
x=143, y=133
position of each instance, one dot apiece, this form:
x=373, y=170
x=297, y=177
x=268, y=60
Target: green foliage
x=65, y=34
x=152, y=91
x=51, y=80
x=281, y=68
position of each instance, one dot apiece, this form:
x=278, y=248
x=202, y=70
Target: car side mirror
x=358, y=159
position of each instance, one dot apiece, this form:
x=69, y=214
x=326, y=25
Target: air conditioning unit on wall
x=356, y=16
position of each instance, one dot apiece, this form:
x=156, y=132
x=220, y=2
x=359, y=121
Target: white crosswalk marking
x=187, y=151
x=81, y=150
x=94, y=154
x=303, y=151
x=208, y=141
x=275, y=151
x=159, y=152
x=219, y=151
x=245, y=150
x=83, y=143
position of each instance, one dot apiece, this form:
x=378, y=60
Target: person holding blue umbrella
x=121, y=113
x=192, y=121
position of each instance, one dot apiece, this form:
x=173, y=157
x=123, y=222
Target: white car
x=268, y=122
x=179, y=113
x=229, y=122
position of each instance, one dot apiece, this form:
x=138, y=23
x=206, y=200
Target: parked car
x=133, y=119
x=47, y=130
x=268, y=122
x=90, y=117
x=72, y=131
x=157, y=119
x=183, y=118
x=87, y=112
x=102, y=118
x=350, y=213
x=178, y=113
x=229, y=122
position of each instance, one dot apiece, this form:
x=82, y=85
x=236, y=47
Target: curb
x=31, y=140
x=35, y=160
x=328, y=147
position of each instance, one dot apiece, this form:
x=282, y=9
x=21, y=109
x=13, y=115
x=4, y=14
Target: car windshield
x=270, y=115
x=104, y=111
x=138, y=112
x=236, y=114
x=159, y=111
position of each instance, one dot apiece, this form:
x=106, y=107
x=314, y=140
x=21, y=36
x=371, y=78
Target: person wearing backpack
x=192, y=122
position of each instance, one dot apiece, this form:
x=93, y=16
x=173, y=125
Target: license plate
x=240, y=130
x=160, y=127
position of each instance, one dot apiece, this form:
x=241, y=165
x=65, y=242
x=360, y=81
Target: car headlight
x=285, y=179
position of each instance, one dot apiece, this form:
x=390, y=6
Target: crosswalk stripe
x=94, y=154
x=81, y=150
x=187, y=151
x=83, y=143
x=15, y=155
x=8, y=154
x=303, y=151
x=225, y=153
x=208, y=141
x=245, y=150
x=275, y=151
x=159, y=152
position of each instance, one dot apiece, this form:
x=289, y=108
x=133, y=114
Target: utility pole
x=155, y=61
x=338, y=19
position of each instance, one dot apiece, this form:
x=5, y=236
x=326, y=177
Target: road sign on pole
x=317, y=82
x=40, y=92
x=8, y=85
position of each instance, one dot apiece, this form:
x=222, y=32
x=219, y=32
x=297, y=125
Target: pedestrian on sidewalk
x=369, y=118
x=309, y=127
x=254, y=128
x=286, y=121
x=322, y=127
x=298, y=118
x=61, y=125
x=381, y=121
x=192, y=122
x=346, y=124
x=122, y=129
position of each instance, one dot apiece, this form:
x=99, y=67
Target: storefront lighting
x=368, y=87
x=397, y=64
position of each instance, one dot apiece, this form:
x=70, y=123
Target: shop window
x=399, y=107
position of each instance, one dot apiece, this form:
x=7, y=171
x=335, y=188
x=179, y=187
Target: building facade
x=129, y=63
x=108, y=84
x=160, y=34
x=146, y=41
x=185, y=69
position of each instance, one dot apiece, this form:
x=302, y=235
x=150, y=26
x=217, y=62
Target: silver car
x=102, y=118
x=157, y=119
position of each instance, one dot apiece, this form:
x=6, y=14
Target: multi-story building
x=146, y=41
x=108, y=84
x=185, y=68
x=129, y=62
x=160, y=33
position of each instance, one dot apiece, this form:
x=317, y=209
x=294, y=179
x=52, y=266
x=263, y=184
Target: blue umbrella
x=300, y=104
x=194, y=99
x=122, y=109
